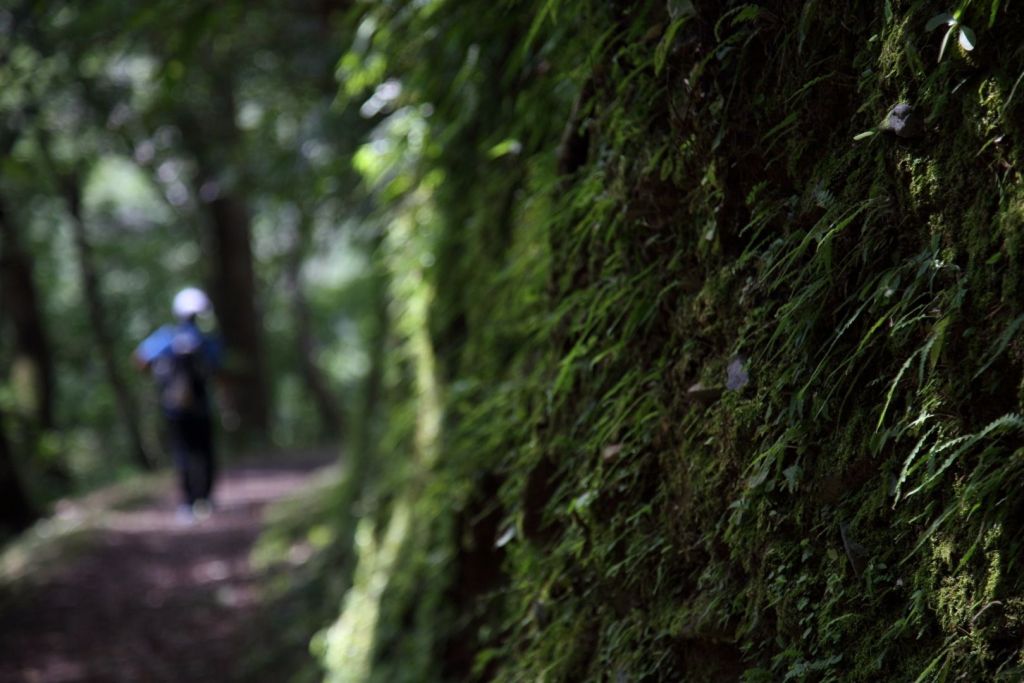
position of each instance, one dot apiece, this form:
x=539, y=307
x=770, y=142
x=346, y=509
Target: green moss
x=844, y=516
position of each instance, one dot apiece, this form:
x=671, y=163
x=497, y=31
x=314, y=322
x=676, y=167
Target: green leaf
x=945, y=41
x=967, y=38
x=892, y=388
x=994, y=11
x=865, y=134
x=748, y=12
x=509, y=146
x=1000, y=345
x=546, y=12
x=790, y=119
x=679, y=9
x=1010, y=421
x=1013, y=91
x=940, y=336
x=907, y=464
x=661, y=52
x=938, y=20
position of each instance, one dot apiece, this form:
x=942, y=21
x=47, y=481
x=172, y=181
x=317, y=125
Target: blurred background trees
x=145, y=147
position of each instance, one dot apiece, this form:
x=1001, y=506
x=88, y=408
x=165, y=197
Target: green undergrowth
x=301, y=561
x=607, y=205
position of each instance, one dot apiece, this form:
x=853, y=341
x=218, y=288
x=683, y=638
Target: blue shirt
x=157, y=351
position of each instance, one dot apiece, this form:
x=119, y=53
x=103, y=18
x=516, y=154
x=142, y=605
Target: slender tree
x=233, y=289
x=20, y=301
x=70, y=187
x=210, y=140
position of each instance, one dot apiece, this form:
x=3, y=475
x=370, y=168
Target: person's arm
x=151, y=347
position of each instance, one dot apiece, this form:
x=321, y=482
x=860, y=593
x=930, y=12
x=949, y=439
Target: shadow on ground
x=149, y=597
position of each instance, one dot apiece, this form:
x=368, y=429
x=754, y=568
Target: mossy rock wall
x=688, y=195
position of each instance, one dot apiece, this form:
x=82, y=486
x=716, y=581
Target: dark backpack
x=184, y=387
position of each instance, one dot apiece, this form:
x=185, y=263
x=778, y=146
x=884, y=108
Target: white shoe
x=184, y=514
x=201, y=510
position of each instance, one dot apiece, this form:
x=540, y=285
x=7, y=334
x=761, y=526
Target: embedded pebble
x=737, y=376
x=903, y=122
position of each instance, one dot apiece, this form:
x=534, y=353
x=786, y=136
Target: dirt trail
x=151, y=598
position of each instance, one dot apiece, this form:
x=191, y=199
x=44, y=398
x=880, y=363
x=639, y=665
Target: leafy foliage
x=684, y=192
x=156, y=111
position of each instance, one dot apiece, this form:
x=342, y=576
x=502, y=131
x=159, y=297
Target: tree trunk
x=331, y=416
x=233, y=290
x=16, y=509
x=231, y=272
x=19, y=303
x=98, y=319
x=20, y=300
x=71, y=190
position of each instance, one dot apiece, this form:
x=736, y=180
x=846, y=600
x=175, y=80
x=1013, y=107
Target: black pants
x=191, y=439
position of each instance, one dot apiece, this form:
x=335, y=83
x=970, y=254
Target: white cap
x=189, y=302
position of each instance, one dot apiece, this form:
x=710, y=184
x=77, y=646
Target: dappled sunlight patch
x=41, y=546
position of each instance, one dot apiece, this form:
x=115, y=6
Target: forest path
x=149, y=597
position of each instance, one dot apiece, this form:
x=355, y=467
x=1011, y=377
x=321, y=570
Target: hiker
x=183, y=360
